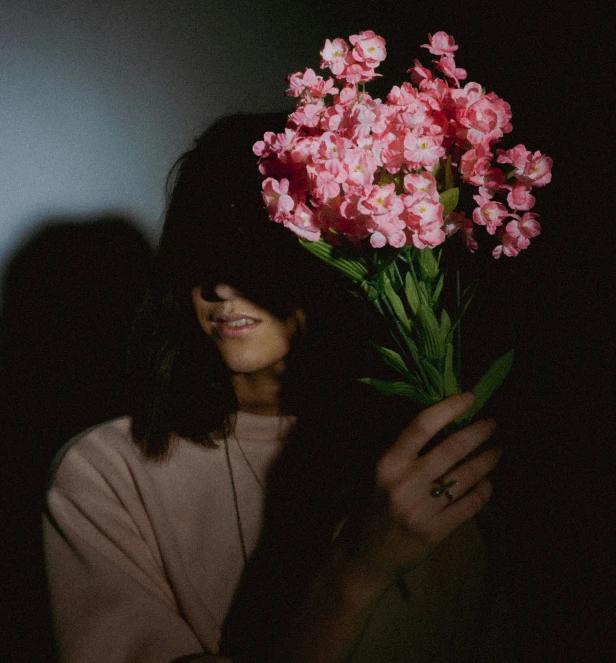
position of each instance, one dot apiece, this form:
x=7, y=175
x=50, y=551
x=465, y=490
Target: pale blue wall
x=97, y=99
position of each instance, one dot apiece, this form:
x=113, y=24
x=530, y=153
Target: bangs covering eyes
x=262, y=261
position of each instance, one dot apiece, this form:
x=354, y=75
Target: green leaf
x=489, y=382
x=430, y=332
x=436, y=382
x=445, y=326
x=371, y=292
x=396, y=304
x=393, y=359
x=412, y=295
x=354, y=269
x=412, y=346
x=449, y=200
x=467, y=297
x=468, y=294
x=428, y=264
x=451, y=383
x=389, y=178
x=437, y=290
x=424, y=295
x=404, y=389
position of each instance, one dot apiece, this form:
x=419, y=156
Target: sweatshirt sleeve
x=110, y=595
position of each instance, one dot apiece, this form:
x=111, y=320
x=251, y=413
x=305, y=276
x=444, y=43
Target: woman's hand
x=403, y=523
x=405, y=520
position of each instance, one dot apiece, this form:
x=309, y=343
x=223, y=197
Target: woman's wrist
x=335, y=609
x=360, y=581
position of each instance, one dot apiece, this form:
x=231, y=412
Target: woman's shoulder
x=99, y=450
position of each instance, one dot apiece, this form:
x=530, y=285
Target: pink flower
x=435, y=93
x=485, y=122
x=440, y=44
x=489, y=214
x=308, y=81
x=423, y=151
x=537, y=171
x=359, y=166
x=523, y=228
x=416, y=116
x=276, y=198
x=428, y=236
x=307, y=115
x=387, y=229
x=422, y=211
x=303, y=150
x=333, y=55
x=402, y=96
x=447, y=65
x=356, y=72
x=419, y=73
x=517, y=156
x=304, y=223
x=508, y=246
x=392, y=153
x=361, y=120
x=264, y=148
x=464, y=97
x=424, y=221
x=516, y=235
x=456, y=221
x=332, y=146
x=380, y=200
x=325, y=179
x=297, y=84
x=334, y=119
x=368, y=48
x=421, y=183
x=519, y=198
x=347, y=96
x=474, y=164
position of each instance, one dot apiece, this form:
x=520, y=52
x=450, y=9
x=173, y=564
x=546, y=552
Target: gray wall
x=97, y=99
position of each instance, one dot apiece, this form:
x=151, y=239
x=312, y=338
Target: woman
x=259, y=505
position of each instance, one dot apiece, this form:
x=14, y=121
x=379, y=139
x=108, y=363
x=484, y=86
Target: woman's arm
x=112, y=583
x=403, y=525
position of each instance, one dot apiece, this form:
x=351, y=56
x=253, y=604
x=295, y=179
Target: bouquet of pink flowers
x=372, y=188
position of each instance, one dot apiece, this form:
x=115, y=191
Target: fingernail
x=468, y=397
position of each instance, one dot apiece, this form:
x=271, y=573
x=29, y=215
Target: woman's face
x=250, y=339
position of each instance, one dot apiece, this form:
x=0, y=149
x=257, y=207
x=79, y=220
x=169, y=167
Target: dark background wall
x=96, y=102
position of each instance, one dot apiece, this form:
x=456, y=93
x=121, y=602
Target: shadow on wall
x=70, y=295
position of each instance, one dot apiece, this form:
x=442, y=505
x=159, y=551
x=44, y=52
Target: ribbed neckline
x=262, y=428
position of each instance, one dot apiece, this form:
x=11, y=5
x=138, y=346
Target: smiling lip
x=226, y=330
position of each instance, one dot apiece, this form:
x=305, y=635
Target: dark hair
x=216, y=230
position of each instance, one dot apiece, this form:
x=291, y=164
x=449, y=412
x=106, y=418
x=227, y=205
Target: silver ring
x=442, y=488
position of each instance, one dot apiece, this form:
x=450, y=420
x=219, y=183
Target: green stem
x=409, y=348
x=458, y=333
x=398, y=273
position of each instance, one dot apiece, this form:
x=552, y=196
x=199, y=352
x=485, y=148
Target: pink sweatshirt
x=143, y=556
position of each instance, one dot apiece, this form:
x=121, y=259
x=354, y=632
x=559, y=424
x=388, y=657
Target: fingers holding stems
x=422, y=429
x=421, y=499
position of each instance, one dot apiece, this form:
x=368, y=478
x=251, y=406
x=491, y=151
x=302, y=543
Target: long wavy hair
x=216, y=230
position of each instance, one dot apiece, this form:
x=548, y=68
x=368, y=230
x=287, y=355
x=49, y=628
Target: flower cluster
x=348, y=164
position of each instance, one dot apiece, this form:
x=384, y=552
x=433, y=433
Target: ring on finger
x=442, y=488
